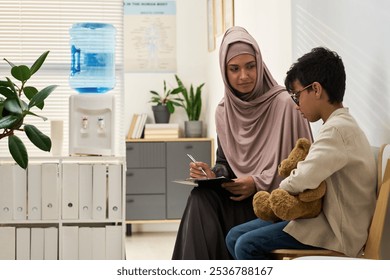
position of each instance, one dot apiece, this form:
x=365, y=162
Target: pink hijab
x=258, y=130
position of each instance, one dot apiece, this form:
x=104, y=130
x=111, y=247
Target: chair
x=378, y=241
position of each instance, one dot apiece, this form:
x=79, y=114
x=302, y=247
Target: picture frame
x=228, y=14
x=218, y=18
x=210, y=25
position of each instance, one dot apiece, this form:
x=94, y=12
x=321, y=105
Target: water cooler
x=92, y=75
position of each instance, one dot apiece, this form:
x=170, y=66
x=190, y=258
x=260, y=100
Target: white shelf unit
x=63, y=208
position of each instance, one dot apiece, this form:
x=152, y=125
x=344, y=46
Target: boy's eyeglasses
x=295, y=95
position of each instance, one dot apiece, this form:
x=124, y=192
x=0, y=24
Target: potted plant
x=192, y=104
x=16, y=102
x=164, y=103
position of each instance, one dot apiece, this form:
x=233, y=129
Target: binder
x=85, y=191
x=85, y=243
x=70, y=191
x=70, y=243
x=114, y=191
x=51, y=243
x=7, y=243
x=99, y=192
x=98, y=243
x=20, y=193
x=34, y=191
x=23, y=243
x=114, y=242
x=6, y=191
x=50, y=191
x=37, y=244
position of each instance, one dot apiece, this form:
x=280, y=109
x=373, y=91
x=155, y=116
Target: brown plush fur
x=279, y=204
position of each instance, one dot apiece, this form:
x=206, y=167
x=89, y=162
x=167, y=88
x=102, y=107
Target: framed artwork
x=218, y=17
x=210, y=25
x=228, y=14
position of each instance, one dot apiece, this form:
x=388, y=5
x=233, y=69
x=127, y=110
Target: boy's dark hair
x=323, y=66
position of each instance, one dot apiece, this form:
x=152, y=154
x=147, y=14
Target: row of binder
x=77, y=243
x=50, y=191
x=28, y=243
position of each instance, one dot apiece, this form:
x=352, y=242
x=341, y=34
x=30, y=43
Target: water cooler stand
x=91, y=124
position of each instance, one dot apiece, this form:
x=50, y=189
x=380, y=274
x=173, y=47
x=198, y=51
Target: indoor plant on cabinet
x=164, y=103
x=16, y=102
x=192, y=104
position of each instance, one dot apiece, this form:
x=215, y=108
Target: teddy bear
x=279, y=204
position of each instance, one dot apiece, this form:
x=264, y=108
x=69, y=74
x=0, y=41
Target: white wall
x=359, y=32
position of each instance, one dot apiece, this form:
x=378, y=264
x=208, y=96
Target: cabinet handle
x=129, y=174
x=130, y=148
x=189, y=147
x=130, y=200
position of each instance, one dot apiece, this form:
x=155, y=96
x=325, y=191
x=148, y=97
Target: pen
x=194, y=161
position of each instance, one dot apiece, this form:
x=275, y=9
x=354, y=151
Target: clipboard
x=204, y=182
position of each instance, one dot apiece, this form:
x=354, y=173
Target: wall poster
x=150, y=36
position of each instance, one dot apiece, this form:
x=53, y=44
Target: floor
x=150, y=245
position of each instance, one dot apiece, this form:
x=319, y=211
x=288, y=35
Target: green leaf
x=7, y=92
x=39, y=139
x=9, y=62
x=30, y=92
x=171, y=107
x=21, y=73
x=13, y=106
x=8, y=121
x=40, y=96
x=18, y=151
x=35, y=115
x=38, y=63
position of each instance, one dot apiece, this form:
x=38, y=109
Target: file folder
x=114, y=243
x=51, y=243
x=6, y=191
x=34, y=191
x=50, y=191
x=85, y=191
x=98, y=243
x=70, y=191
x=7, y=243
x=99, y=193
x=20, y=193
x=37, y=244
x=114, y=191
x=85, y=243
x=70, y=243
x=23, y=243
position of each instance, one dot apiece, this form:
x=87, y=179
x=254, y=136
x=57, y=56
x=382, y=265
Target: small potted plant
x=16, y=102
x=192, y=104
x=165, y=103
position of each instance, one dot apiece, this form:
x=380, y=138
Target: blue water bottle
x=92, y=57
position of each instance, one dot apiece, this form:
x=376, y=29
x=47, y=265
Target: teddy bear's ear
x=303, y=144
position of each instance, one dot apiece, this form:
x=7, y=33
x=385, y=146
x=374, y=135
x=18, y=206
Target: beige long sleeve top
x=342, y=156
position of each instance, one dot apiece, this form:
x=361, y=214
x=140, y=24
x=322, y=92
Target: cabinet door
x=145, y=181
x=145, y=207
x=178, y=168
x=144, y=155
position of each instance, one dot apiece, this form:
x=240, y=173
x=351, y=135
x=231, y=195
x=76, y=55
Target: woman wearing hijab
x=257, y=127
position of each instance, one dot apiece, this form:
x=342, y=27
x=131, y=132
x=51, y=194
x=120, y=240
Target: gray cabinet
x=152, y=166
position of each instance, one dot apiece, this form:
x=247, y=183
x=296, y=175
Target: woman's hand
x=242, y=188
x=196, y=170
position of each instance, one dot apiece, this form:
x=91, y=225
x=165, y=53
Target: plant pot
x=193, y=129
x=161, y=114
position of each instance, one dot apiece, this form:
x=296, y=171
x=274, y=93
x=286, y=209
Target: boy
x=341, y=155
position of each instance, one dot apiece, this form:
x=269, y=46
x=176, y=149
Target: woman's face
x=241, y=72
